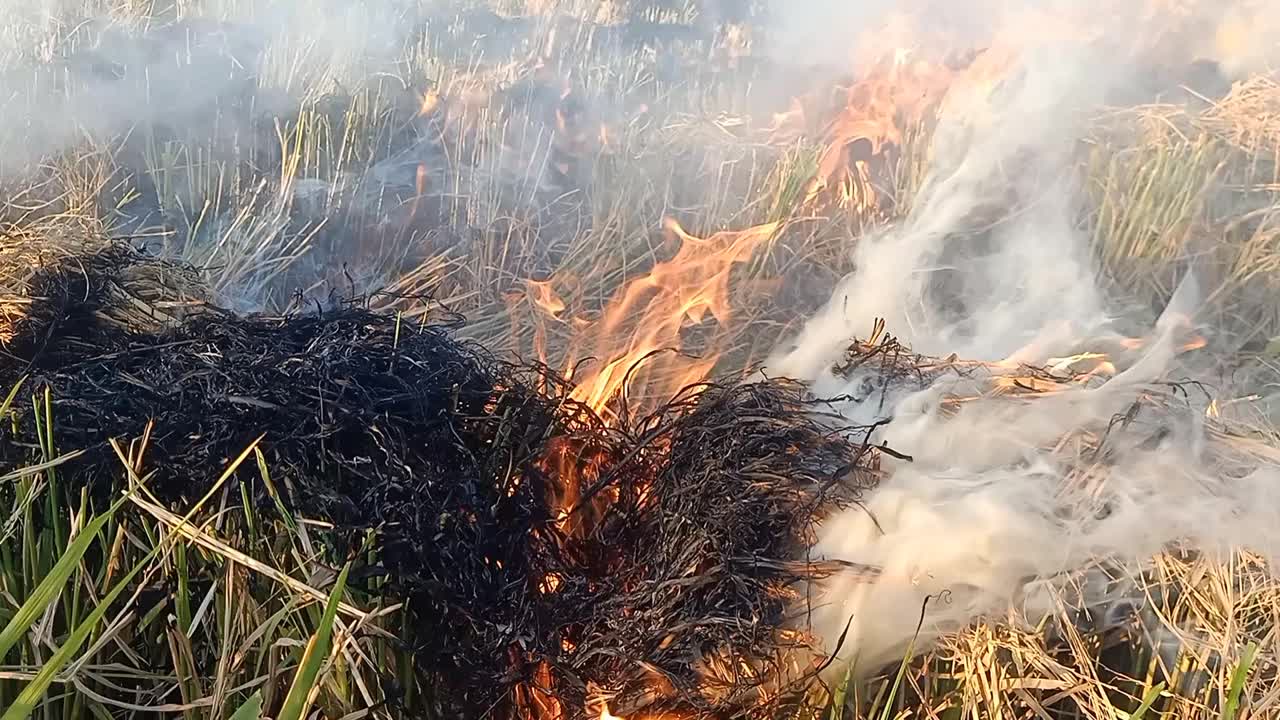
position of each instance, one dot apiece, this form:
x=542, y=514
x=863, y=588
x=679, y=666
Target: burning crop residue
x=628, y=353
x=888, y=389
x=1049, y=449
x=538, y=549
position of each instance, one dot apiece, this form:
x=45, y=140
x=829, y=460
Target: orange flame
x=879, y=110
x=648, y=315
x=430, y=103
x=653, y=313
x=550, y=583
x=534, y=700
x=549, y=305
x=1196, y=342
x=573, y=470
x=545, y=297
x=595, y=697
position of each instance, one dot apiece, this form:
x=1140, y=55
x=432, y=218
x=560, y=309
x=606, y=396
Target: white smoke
x=76, y=71
x=1012, y=276
x=1242, y=36
x=1000, y=499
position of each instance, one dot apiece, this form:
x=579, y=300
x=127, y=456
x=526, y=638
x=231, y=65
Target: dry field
x=606, y=204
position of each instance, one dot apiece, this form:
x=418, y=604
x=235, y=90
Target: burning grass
x=544, y=558
x=524, y=546
x=1097, y=447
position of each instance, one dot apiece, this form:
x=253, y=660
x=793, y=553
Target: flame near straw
x=1003, y=497
x=1018, y=478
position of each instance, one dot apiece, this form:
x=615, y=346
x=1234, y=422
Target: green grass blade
x=250, y=521
x=51, y=587
x=295, y=703
x=31, y=695
x=8, y=399
x=265, y=473
x=906, y=662
x=251, y=709
x=841, y=695
x=1148, y=699
x=1237, y=682
x=182, y=601
x=898, y=680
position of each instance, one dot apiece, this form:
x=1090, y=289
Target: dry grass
x=1171, y=185
x=334, y=178
x=1202, y=643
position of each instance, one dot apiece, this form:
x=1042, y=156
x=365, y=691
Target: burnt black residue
x=684, y=531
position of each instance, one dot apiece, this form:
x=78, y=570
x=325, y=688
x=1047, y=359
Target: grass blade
x=1148, y=699
x=32, y=694
x=898, y=680
x=841, y=695
x=906, y=661
x=296, y=702
x=251, y=709
x=51, y=587
x=1237, y=682
x=8, y=399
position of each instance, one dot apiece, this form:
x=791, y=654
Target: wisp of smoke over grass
x=280, y=148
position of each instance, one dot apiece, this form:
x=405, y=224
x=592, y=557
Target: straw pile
x=72, y=282
x=544, y=557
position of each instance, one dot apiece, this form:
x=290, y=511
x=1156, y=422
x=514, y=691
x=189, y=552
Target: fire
x=892, y=96
x=549, y=307
x=430, y=103
x=550, y=583
x=544, y=296
x=629, y=345
x=595, y=697
x=1197, y=342
x=879, y=110
x=534, y=699
x=573, y=470
x=648, y=315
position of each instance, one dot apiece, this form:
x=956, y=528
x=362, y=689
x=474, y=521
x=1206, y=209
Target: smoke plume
x=76, y=71
x=997, y=506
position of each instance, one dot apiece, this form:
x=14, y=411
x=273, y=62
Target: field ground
x=515, y=166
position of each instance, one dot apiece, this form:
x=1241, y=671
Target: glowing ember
x=534, y=699
x=550, y=583
x=596, y=697
x=430, y=103
x=573, y=470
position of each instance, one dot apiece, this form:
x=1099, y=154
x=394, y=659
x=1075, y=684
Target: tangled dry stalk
x=543, y=556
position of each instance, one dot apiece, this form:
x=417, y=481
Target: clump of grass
x=1176, y=185
x=121, y=613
